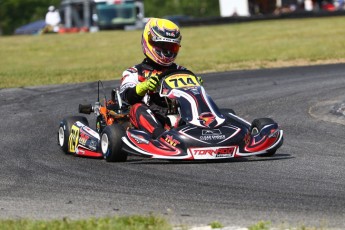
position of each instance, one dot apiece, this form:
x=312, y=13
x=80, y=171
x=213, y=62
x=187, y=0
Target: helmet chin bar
x=161, y=59
x=165, y=53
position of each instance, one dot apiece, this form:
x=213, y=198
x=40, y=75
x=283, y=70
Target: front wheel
x=65, y=130
x=260, y=123
x=111, y=143
x=257, y=126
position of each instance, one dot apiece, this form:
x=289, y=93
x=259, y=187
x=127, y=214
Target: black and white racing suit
x=147, y=112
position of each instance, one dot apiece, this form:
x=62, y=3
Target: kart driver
x=160, y=43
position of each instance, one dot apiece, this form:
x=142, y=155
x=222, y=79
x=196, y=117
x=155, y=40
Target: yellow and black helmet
x=161, y=41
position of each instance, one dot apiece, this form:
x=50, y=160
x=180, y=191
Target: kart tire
x=125, y=125
x=256, y=127
x=65, y=130
x=111, y=143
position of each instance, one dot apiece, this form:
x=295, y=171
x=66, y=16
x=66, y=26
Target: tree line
x=15, y=13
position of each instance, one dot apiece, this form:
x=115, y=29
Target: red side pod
x=87, y=153
x=148, y=148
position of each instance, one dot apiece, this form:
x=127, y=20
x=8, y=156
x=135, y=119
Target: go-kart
x=196, y=128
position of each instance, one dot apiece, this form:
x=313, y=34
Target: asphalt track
x=303, y=184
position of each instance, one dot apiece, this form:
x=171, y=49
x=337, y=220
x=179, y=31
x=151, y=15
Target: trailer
x=102, y=14
x=119, y=14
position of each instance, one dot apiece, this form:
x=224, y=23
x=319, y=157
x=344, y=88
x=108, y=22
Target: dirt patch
x=331, y=110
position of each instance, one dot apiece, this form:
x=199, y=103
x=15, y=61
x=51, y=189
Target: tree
x=195, y=8
x=15, y=13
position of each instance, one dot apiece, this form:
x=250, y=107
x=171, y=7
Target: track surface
x=304, y=183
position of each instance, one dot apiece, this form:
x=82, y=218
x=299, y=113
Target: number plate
x=181, y=81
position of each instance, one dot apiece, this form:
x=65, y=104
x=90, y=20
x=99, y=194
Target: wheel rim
x=104, y=144
x=255, y=131
x=61, y=136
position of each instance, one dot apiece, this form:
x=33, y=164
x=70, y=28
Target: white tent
x=230, y=8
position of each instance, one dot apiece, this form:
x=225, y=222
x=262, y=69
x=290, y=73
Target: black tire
x=257, y=125
x=125, y=125
x=226, y=111
x=65, y=130
x=111, y=143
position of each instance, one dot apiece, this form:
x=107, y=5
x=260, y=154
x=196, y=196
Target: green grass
x=124, y=223
x=70, y=58
x=216, y=224
x=115, y=223
x=261, y=225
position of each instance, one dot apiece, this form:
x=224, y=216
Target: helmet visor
x=167, y=47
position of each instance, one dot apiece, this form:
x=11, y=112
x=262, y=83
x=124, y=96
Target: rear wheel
x=256, y=128
x=111, y=143
x=65, y=130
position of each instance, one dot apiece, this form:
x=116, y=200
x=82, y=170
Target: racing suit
x=147, y=112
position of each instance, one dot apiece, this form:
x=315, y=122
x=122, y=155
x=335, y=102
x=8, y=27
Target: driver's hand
x=153, y=82
x=148, y=85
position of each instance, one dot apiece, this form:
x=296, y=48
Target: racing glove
x=149, y=85
x=200, y=80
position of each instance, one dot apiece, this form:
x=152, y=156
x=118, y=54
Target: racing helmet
x=161, y=41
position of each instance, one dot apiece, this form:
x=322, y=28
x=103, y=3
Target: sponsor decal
x=213, y=152
x=206, y=118
x=93, y=145
x=126, y=86
x=211, y=135
x=148, y=73
x=212, y=138
x=170, y=140
x=83, y=138
x=170, y=34
x=90, y=131
x=211, y=132
x=139, y=139
x=80, y=151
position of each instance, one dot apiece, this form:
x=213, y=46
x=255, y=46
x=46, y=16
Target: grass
x=113, y=223
x=261, y=225
x=122, y=223
x=71, y=58
x=216, y=224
